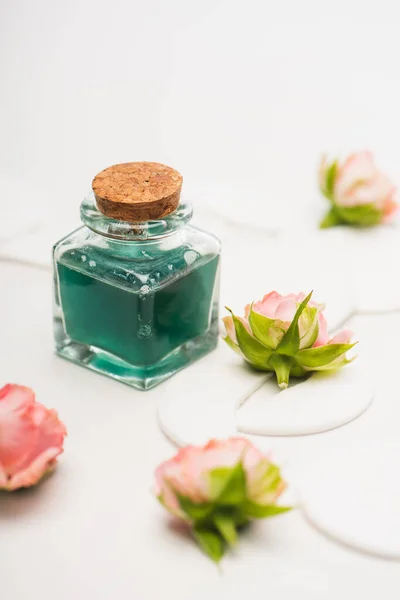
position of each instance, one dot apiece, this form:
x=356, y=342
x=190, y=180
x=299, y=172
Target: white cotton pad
x=246, y=404
x=352, y=494
x=322, y=402
x=199, y=403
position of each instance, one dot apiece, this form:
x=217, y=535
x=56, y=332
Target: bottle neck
x=123, y=231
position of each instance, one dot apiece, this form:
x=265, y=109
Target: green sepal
x=225, y=524
x=232, y=344
x=298, y=371
x=290, y=342
x=310, y=319
x=264, y=329
x=272, y=479
x=194, y=511
x=259, y=511
x=363, y=215
x=228, y=485
x=209, y=541
x=253, y=350
x=282, y=366
x=330, y=178
x=338, y=363
x=321, y=356
x=331, y=219
x=268, y=485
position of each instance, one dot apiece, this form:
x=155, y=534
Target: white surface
x=240, y=98
x=353, y=495
x=235, y=402
x=229, y=93
x=93, y=529
x=365, y=261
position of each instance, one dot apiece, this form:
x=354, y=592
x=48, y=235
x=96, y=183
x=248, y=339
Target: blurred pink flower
x=31, y=438
x=218, y=487
x=360, y=194
x=188, y=473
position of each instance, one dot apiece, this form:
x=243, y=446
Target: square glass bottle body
x=137, y=308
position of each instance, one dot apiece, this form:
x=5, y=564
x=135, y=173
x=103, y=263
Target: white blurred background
x=240, y=96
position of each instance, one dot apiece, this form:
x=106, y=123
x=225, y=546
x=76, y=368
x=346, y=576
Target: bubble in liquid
x=144, y=331
x=83, y=258
x=170, y=267
x=144, y=289
x=92, y=263
x=190, y=256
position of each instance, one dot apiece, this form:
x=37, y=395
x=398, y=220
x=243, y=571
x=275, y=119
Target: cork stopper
x=137, y=191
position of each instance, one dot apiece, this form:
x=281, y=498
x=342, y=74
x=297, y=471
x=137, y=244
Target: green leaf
x=228, y=485
x=226, y=527
x=363, y=215
x=290, y=342
x=195, y=511
x=330, y=180
x=210, y=542
x=331, y=219
x=253, y=350
x=258, y=511
x=282, y=366
x=264, y=329
x=323, y=355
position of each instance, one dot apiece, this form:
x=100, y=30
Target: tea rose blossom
x=359, y=193
x=31, y=438
x=218, y=487
x=287, y=335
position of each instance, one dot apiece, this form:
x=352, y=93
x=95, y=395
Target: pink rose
x=283, y=309
x=288, y=335
x=218, y=487
x=359, y=193
x=31, y=438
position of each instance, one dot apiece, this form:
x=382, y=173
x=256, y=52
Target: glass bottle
x=136, y=301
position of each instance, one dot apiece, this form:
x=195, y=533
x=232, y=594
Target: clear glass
x=136, y=301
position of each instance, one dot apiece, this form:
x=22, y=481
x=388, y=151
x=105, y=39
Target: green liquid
x=140, y=328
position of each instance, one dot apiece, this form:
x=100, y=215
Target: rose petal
x=35, y=471
x=389, y=208
x=286, y=310
x=3, y=478
x=51, y=432
x=230, y=328
x=343, y=337
x=14, y=397
x=268, y=304
x=31, y=436
x=18, y=432
x=357, y=168
x=374, y=191
x=322, y=338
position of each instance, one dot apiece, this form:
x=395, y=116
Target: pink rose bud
x=358, y=192
x=219, y=487
x=287, y=335
x=31, y=438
